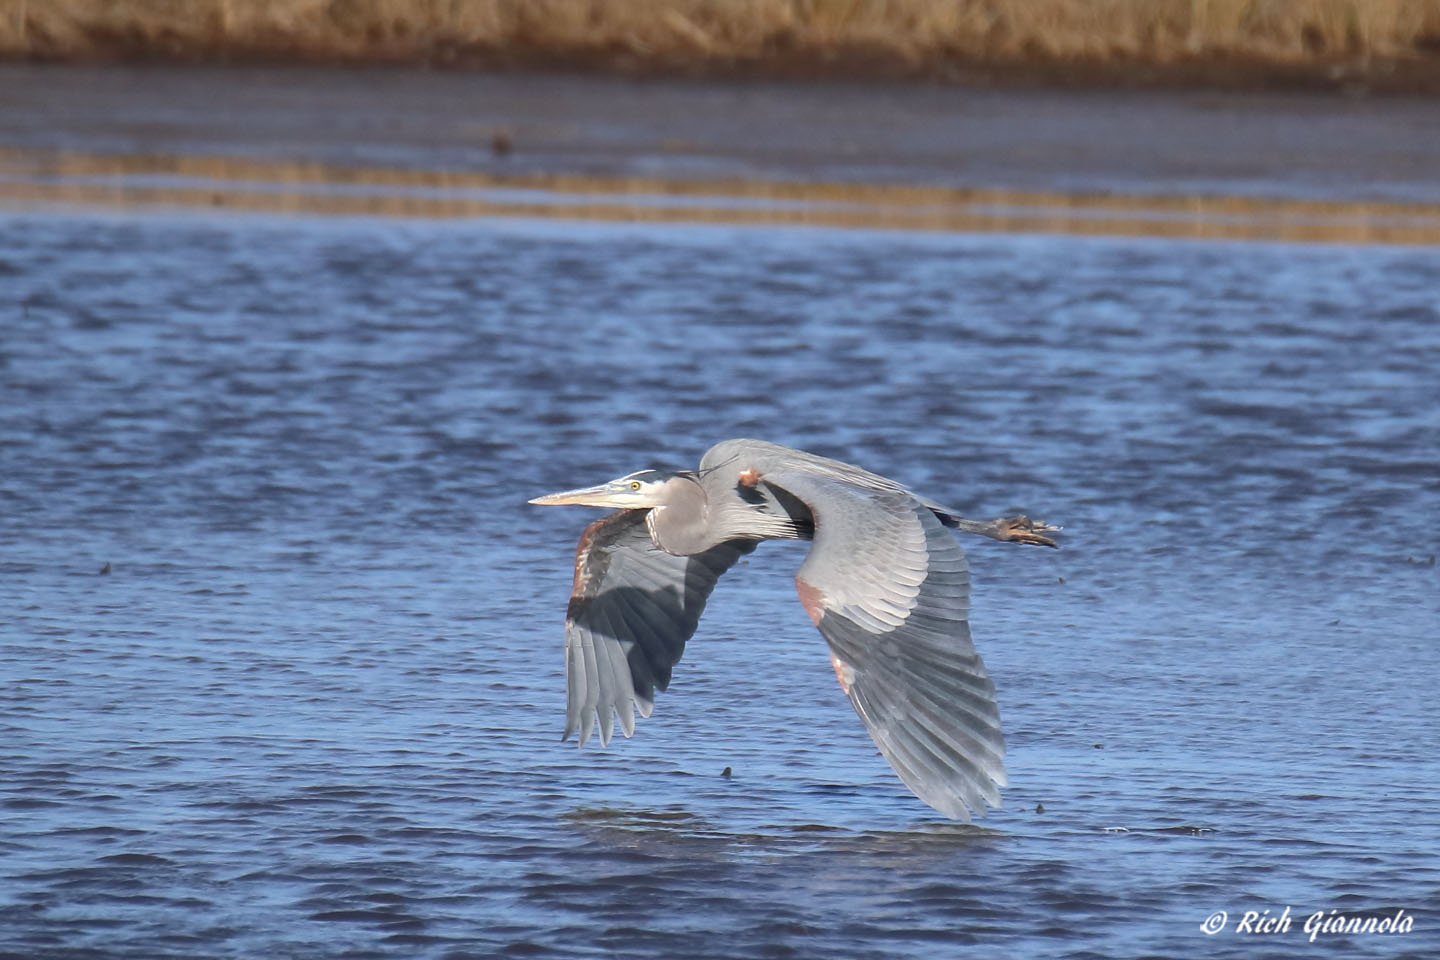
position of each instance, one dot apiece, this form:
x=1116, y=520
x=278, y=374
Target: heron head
x=644, y=488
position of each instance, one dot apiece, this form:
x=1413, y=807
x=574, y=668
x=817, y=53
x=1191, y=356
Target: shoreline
x=449, y=144
x=1339, y=76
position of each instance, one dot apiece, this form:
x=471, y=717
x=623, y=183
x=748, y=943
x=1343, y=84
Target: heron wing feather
x=631, y=611
x=889, y=590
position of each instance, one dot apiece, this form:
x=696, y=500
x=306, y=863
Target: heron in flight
x=885, y=582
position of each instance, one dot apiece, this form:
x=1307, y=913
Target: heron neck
x=682, y=525
x=689, y=523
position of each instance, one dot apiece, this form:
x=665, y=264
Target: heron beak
x=604, y=495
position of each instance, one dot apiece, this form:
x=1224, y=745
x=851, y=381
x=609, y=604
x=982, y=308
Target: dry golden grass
x=833, y=37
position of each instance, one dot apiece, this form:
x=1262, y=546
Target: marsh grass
x=857, y=37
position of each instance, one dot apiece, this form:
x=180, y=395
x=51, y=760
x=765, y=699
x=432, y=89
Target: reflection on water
x=49, y=178
x=313, y=708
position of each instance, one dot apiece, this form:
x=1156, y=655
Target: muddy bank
x=1414, y=75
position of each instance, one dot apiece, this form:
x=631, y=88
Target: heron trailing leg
x=1020, y=529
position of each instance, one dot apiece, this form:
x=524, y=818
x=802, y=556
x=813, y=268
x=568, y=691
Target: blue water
x=313, y=709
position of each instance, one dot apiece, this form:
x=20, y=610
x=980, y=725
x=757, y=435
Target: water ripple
x=278, y=656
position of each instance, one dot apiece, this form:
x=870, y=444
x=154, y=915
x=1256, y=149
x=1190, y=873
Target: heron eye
x=634, y=484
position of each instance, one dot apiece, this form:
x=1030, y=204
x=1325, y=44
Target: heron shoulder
x=751, y=460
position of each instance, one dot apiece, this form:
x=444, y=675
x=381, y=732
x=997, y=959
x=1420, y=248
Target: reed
x=859, y=37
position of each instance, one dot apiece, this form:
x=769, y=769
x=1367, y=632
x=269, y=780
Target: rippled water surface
x=312, y=708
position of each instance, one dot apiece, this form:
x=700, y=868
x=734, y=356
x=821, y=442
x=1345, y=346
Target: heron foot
x=1022, y=529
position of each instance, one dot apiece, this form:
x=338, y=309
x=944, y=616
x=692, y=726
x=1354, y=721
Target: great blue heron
x=885, y=582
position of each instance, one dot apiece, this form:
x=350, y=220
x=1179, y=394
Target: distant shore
x=1350, y=46
x=514, y=127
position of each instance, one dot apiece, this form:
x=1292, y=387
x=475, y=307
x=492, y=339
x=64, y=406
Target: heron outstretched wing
x=631, y=610
x=889, y=588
